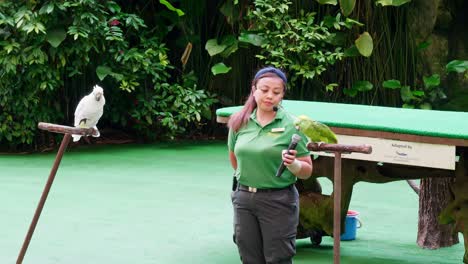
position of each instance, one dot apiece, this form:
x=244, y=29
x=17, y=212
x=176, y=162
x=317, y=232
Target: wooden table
x=407, y=144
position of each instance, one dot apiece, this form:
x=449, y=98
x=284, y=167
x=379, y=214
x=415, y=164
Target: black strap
x=234, y=183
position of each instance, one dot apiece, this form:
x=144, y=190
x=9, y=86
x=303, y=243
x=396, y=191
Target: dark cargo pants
x=265, y=225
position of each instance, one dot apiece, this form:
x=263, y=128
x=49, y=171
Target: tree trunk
x=434, y=196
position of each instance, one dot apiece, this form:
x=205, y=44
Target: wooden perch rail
x=66, y=129
x=338, y=149
x=366, y=149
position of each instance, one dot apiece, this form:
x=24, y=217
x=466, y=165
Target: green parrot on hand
x=315, y=131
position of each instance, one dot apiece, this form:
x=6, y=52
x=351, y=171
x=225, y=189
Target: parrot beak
x=98, y=96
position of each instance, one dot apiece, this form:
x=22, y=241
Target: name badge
x=277, y=130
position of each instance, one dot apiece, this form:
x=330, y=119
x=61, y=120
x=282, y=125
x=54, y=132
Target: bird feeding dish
x=352, y=223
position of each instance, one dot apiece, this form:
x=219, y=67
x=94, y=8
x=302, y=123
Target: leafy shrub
x=295, y=43
x=52, y=52
x=170, y=108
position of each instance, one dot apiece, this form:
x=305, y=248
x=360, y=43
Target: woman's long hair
x=240, y=119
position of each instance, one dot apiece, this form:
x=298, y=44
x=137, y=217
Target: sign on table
x=401, y=152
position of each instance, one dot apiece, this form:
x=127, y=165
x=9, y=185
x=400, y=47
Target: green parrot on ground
x=315, y=131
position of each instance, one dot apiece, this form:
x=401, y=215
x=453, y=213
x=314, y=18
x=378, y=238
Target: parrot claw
x=318, y=143
x=97, y=132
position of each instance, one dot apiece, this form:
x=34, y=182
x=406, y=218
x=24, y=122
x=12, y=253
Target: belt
x=242, y=187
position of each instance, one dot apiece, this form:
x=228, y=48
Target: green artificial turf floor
x=170, y=203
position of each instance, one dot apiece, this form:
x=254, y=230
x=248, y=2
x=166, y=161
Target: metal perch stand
x=68, y=131
x=338, y=149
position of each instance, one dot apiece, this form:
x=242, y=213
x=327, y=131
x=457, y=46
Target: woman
x=266, y=207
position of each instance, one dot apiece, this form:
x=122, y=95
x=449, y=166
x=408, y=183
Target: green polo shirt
x=258, y=151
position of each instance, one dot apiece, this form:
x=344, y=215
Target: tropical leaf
x=363, y=86
x=117, y=76
x=392, y=84
x=220, y=68
x=230, y=12
x=364, y=44
x=251, y=38
x=457, y=66
x=171, y=7
x=406, y=94
x=350, y=92
x=56, y=36
x=418, y=93
x=431, y=81
x=392, y=2
x=230, y=42
x=113, y=7
x=330, y=87
x=347, y=6
x=327, y=2
x=213, y=47
x=103, y=71
x=350, y=21
x=47, y=8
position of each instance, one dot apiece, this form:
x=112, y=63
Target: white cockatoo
x=89, y=110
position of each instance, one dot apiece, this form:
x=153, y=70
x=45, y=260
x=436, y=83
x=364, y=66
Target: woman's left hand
x=289, y=157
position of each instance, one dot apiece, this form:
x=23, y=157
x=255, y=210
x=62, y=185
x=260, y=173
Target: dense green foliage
x=330, y=57
x=52, y=52
x=299, y=44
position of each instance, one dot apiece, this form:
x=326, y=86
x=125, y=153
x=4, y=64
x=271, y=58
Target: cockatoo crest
x=98, y=92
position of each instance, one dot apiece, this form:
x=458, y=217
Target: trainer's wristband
x=295, y=167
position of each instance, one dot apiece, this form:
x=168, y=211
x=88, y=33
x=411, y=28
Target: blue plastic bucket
x=351, y=225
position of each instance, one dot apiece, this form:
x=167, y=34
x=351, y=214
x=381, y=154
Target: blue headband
x=274, y=70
